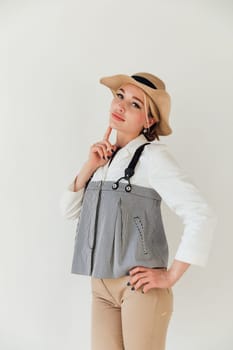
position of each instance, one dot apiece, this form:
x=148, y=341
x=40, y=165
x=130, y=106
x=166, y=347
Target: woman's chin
x=113, y=125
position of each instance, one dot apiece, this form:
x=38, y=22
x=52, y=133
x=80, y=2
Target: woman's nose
x=121, y=106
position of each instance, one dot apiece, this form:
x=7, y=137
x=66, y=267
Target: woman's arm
x=71, y=199
x=183, y=197
x=176, y=270
x=149, y=278
x=99, y=153
x=83, y=176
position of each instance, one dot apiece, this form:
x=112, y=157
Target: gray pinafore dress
x=119, y=227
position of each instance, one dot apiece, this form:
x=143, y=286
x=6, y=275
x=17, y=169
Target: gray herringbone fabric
x=118, y=230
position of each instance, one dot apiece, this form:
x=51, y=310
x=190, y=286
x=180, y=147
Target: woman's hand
x=148, y=278
x=101, y=152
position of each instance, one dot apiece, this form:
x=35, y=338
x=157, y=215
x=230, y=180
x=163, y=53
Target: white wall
x=52, y=54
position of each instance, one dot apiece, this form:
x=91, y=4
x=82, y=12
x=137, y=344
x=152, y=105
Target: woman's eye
x=119, y=95
x=136, y=105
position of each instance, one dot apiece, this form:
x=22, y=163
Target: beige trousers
x=125, y=319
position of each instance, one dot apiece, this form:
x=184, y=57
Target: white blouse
x=158, y=169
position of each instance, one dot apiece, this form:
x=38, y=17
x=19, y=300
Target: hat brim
x=159, y=96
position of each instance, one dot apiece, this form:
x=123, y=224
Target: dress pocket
x=141, y=230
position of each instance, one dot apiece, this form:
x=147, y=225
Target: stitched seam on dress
x=133, y=194
x=146, y=251
x=158, y=197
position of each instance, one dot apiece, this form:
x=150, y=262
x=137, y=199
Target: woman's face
x=128, y=104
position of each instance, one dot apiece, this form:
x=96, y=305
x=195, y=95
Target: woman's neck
x=123, y=139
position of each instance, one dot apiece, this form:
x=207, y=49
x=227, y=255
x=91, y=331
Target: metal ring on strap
x=129, y=171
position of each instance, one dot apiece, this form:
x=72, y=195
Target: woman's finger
x=104, y=149
x=106, y=137
x=109, y=145
x=98, y=150
x=110, y=148
x=107, y=133
x=107, y=153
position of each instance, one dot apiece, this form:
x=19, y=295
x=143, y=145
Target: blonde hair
x=151, y=112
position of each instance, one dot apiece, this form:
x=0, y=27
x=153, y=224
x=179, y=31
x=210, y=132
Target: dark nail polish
x=112, y=150
x=128, y=283
x=108, y=157
x=132, y=288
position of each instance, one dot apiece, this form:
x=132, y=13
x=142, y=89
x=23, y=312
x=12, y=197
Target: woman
x=120, y=239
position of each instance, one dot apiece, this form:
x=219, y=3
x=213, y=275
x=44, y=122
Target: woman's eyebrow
x=136, y=98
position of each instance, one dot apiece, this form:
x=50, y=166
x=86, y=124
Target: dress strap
x=129, y=171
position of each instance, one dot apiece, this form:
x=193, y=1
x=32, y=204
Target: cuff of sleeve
x=70, y=201
x=195, y=252
x=193, y=259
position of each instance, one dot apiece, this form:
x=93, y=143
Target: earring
x=145, y=130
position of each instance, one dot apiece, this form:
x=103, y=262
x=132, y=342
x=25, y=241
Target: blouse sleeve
x=71, y=202
x=183, y=197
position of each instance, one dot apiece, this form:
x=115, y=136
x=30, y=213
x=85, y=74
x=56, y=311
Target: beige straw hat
x=154, y=88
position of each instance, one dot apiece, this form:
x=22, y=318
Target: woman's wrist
x=83, y=176
x=176, y=270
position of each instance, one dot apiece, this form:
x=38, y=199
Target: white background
x=52, y=54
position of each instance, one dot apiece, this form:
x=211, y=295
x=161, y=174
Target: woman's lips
x=115, y=116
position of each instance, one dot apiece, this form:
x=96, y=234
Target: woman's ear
x=151, y=120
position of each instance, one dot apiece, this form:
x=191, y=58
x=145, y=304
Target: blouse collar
x=132, y=145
